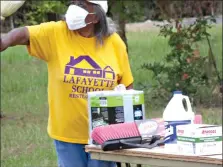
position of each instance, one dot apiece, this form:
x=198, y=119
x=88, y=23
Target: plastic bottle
x=177, y=112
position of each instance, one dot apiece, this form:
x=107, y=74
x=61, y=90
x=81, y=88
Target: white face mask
x=75, y=17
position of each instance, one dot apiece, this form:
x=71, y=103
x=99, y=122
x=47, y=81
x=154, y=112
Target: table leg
x=118, y=164
x=127, y=165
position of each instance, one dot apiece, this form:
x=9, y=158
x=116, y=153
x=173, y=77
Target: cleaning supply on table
x=140, y=134
x=199, y=139
x=115, y=106
x=177, y=112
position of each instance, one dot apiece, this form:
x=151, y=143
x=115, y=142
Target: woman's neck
x=87, y=32
x=86, y=35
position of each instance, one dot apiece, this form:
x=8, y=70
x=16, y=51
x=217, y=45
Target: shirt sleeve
x=126, y=77
x=40, y=40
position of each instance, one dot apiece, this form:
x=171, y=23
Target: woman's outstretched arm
x=17, y=36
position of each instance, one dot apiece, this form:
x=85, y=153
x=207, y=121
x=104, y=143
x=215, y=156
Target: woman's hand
x=130, y=86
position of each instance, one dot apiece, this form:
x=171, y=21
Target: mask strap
x=91, y=14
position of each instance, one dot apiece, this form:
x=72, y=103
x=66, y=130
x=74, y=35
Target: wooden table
x=160, y=156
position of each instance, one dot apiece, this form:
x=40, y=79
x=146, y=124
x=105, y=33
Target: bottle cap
x=177, y=92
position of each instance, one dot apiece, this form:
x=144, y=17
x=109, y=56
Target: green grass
x=145, y=47
x=24, y=139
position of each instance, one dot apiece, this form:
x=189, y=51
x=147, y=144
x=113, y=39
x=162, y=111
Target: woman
x=77, y=51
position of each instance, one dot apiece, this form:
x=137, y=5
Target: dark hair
x=105, y=27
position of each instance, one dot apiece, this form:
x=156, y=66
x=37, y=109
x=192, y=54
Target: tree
x=125, y=11
x=35, y=12
x=183, y=68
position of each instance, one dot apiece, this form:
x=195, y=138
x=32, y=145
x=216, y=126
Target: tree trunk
x=122, y=32
x=51, y=16
x=1, y=115
x=11, y=22
x=119, y=18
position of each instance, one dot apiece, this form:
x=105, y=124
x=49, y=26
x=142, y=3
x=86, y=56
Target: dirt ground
x=152, y=25
x=136, y=27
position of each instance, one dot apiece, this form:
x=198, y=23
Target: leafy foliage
x=184, y=68
x=35, y=12
x=130, y=11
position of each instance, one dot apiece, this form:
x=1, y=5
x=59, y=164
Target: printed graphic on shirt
x=84, y=80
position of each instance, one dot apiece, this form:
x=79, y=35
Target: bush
x=184, y=68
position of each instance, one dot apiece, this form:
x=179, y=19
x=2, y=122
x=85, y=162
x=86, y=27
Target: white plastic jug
x=177, y=112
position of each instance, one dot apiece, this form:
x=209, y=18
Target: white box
x=111, y=107
x=199, y=139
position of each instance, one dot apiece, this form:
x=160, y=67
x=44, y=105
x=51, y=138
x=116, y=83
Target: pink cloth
x=198, y=119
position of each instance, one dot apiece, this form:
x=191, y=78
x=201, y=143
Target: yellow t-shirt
x=75, y=67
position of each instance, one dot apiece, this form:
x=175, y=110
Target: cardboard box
x=199, y=139
x=112, y=107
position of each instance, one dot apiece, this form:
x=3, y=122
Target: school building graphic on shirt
x=96, y=72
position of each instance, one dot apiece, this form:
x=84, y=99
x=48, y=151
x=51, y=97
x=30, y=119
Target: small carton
x=199, y=139
x=113, y=107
